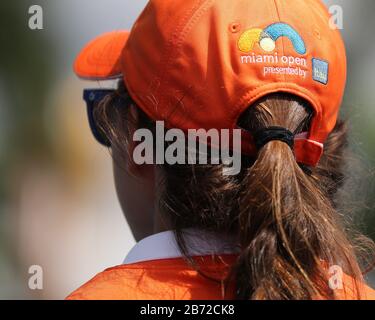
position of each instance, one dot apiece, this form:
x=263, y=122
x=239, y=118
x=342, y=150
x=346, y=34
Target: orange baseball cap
x=201, y=63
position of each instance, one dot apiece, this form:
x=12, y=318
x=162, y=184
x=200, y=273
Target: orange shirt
x=166, y=279
x=163, y=275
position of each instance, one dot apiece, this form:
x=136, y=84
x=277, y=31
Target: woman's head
x=200, y=64
x=212, y=64
x=284, y=213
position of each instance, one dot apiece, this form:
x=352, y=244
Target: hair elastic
x=265, y=135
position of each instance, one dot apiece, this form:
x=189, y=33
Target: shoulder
x=124, y=282
x=351, y=288
x=172, y=279
x=167, y=279
x=369, y=293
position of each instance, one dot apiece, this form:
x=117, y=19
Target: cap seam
x=173, y=46
x=187, y=28
x=177, y=33
x=170, y=50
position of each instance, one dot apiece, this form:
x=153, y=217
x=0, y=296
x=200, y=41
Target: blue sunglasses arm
x=91, y=97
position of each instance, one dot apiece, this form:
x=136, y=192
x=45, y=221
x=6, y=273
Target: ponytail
x=290, y=233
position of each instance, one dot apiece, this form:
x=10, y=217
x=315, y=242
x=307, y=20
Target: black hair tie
x=265, y=135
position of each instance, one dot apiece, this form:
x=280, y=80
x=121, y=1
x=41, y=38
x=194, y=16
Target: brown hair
x=289, y=227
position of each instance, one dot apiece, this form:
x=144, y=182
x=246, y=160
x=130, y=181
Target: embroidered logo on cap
x=267, y=38
x=320, y=70
x=270, y=61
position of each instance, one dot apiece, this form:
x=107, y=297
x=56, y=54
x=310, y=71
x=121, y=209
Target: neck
x=160, y=222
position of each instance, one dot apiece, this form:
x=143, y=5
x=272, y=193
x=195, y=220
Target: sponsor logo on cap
x=320, y=70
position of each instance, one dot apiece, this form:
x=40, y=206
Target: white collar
x=163, y=245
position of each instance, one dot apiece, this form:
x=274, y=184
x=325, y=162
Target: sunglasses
x=92, y=97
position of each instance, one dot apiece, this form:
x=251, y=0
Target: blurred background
x=54, y=212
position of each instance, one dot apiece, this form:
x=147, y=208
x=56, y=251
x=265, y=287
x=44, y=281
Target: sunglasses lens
x=92, y=98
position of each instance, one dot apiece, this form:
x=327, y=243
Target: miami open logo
x=266, y=38
x=269, y=60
